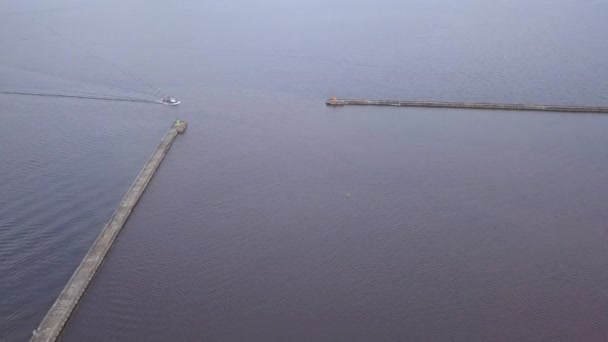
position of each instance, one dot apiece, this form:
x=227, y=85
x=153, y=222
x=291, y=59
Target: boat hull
x=170, y=103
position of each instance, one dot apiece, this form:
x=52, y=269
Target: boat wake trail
x=86, y=97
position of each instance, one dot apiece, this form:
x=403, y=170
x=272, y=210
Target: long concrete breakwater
x=467, y=105
x=51, y=326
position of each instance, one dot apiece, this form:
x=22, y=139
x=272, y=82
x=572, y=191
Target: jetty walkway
x=51, y=326
x=467, y=105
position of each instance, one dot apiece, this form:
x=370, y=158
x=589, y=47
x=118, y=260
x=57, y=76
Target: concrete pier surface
x=54, y=321
x=467, y=105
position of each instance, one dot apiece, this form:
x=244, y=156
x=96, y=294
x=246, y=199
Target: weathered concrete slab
x=64, y=305
x=468, y=105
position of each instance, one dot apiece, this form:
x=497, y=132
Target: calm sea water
x=277, y=218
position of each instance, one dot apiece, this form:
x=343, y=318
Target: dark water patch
x=65, y=165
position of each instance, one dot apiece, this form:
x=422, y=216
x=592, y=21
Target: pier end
x=334, y=102
x=181, y=125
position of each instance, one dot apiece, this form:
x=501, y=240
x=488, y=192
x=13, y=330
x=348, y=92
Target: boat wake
x=86, y=97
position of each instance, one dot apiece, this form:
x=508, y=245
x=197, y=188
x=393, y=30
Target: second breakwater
x=468, y=105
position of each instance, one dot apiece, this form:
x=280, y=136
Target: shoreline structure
x=467, y=105
x=53, y=323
